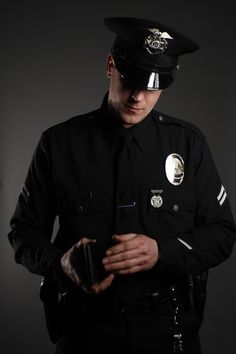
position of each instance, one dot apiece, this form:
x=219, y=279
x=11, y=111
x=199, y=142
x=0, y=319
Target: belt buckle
x=121, y=308
x=147, y=303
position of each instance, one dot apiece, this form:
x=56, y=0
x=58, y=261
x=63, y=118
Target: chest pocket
x=82, y=204
x=171, y=201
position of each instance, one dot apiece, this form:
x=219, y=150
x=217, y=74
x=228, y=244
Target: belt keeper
x=155, y=303
x=148, y=303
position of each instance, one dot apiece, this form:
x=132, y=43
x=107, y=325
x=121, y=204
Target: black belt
x=145, y=303
x=159, y=300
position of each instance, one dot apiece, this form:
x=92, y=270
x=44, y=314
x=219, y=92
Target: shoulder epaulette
x=72, y=121
x=83, y=118
x=169, y=120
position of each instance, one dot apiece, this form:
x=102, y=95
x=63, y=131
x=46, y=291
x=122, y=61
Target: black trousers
x=129, y=333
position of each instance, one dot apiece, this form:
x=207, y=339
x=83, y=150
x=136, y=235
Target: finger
x=130, y=270
x=74, y=277
x=146, y=264
x=104, y=284
x=132, y=243
x=123, y=237
x=86, y=290
x=122, y=256
x=123, y=265
x=77, y=245
x=84, y=240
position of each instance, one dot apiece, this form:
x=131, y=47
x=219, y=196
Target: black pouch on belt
x=87, y=261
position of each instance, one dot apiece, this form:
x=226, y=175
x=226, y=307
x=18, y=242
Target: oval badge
x=174, y=167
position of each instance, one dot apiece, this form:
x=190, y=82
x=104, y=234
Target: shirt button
x=175, y=207
x=161, y=118
x=124, y=309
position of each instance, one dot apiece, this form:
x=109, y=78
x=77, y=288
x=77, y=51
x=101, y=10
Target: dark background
x=52, y=67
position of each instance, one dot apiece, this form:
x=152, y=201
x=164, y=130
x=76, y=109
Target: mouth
x=133, y=108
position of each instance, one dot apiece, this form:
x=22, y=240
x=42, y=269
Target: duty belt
x=157, y=301
x=171, y=300
x=160, y=300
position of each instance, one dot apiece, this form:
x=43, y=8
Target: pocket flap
x=81, y=203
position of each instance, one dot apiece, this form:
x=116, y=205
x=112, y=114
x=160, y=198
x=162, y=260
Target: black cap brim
x=143, y=79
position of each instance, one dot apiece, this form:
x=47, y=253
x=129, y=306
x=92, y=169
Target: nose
x=138, y=95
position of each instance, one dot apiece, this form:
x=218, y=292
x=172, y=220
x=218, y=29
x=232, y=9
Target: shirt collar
x=142, y=131
x=113, y=127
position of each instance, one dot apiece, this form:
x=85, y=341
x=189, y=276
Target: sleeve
x=34, y=216
x=212, y=238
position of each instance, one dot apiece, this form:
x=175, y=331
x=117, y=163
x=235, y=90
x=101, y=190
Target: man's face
x=130, y=104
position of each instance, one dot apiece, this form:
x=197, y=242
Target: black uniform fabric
x=126, y=208
x=72, y=175
x=126, y=193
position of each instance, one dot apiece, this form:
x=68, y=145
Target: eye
x=127, y=84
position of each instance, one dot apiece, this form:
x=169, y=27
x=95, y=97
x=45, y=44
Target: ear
x=110, y=65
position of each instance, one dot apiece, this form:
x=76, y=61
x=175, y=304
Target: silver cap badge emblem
x=174, y=167
x=157, y=41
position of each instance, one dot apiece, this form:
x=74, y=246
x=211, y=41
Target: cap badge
x=157, y=41
x=174, y=167
x=156, y=200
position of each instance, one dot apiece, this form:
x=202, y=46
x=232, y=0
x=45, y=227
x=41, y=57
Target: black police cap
x=146, y=52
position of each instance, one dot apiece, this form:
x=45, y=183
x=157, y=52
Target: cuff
x=172, y=255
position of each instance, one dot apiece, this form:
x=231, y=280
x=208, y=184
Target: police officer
x=139, y=186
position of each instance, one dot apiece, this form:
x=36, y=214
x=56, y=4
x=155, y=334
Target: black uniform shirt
x=72, y=175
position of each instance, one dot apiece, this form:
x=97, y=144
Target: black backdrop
x=52, y=67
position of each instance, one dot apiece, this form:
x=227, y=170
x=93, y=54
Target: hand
x=101, y=286
x=68, y=266
x=133, y=253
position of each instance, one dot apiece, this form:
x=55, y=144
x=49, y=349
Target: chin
x=131, y=119
x=130, y=123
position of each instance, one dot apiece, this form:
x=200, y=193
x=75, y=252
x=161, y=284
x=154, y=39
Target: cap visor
x=143, y=79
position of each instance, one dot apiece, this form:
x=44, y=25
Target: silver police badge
x=157, y=41
x=174, y=167
x=156, y=200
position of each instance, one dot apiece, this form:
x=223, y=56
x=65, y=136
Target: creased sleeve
x=34, y=216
